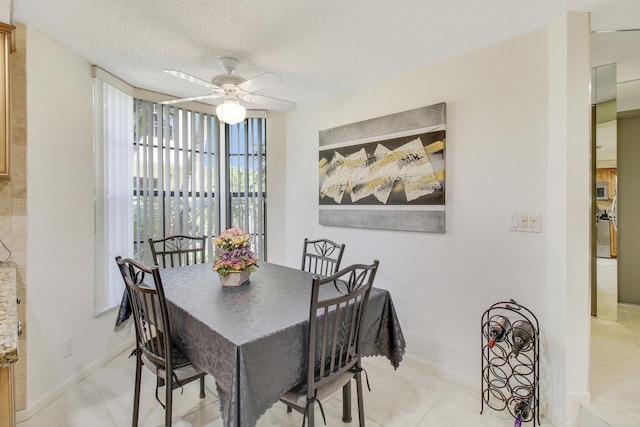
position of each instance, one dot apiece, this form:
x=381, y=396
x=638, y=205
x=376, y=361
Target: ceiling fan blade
x=260, y=82
x=191, y=98
x=192, y=79
x=268, y=102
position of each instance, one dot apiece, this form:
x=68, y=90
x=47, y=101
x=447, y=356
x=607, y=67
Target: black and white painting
x=386, y=173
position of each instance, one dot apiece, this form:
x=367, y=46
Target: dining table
x=253, y=338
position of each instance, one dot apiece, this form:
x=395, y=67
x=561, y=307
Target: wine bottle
x=522, y=333
x=523, y=409
x=498, y=326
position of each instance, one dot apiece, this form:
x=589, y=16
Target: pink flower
x=233, y=251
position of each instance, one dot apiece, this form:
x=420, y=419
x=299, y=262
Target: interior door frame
x=594, y=268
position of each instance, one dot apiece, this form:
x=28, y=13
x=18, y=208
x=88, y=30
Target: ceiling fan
x=229, y=91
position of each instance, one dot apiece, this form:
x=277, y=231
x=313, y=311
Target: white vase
x=234, y=278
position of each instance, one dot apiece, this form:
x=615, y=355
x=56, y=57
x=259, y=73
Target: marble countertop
x=8, y=317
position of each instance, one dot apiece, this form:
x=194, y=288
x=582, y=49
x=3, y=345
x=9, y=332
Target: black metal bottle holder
x=510, y=381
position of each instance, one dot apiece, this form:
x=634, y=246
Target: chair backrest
x=174, y=251
x=321, y=256
x=338, y=304
x=149, y=309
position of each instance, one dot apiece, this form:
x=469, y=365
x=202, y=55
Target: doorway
x=615, y=344
x=604, y=135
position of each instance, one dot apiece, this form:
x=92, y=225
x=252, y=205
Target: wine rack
x=510, y=377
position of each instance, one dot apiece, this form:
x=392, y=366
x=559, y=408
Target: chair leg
x=136, y=391
x=346, y=403
x=168, y=400
x=201, y=387
x=360, y=398
x=311, y=415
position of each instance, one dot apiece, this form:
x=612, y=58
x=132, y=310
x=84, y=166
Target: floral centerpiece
x=234, y=255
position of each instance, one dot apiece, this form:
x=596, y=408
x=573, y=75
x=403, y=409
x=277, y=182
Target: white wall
x=276, y=182
x=61, y=222
x=5, y=11
x=497, y=162
x=569, y=200
x=60, y=288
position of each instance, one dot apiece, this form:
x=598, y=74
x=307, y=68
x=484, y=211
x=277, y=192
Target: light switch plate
x=525, y=221
x=515, y=221
x=534, y=222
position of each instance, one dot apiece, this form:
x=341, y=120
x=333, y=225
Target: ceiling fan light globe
x=231, y=112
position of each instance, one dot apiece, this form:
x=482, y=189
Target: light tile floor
x=607, y=278
x=615, y=367
x=615, y=353
x=408, y=397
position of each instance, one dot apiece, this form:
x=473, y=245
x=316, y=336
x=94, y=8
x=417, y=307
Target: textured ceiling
x=319, y=48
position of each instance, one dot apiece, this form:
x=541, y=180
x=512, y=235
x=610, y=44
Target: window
x=246, y=175
x=175, y=174
x=113, y=116
x=177, y=169
x=163, y=170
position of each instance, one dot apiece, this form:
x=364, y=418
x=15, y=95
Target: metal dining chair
x=321, y=256
x=338, y=304
x=177, y=250
x=154, y=348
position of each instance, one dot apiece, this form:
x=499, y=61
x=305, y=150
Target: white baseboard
x=52, y=395
x=439, y=371
x=575, y=400
x=590, y=417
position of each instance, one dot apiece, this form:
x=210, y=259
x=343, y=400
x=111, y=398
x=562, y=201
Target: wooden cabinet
x=613, y=175
x=613, y=240
x=5, y=125
x=7, y=410
x=608, y=175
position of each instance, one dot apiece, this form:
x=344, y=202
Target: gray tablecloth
x=252, y=338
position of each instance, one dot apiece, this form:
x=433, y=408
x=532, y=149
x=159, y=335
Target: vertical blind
x=246, y=177
x=160, y=171
x=113, y=115
x=175, y=168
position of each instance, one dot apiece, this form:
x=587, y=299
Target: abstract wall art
x=385, y=173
